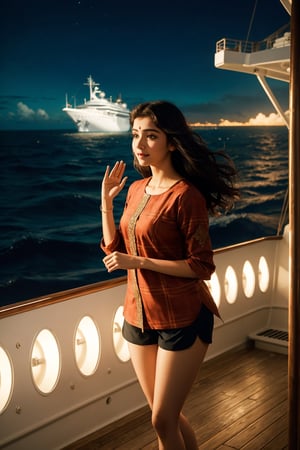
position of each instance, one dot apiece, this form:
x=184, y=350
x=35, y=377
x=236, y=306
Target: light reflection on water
x=50, y=184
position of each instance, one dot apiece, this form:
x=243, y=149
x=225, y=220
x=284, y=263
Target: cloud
x=260, y=119
x=26, y=113
x=41, y=113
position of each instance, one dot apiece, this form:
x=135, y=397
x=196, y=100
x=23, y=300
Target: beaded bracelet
x=105, y=210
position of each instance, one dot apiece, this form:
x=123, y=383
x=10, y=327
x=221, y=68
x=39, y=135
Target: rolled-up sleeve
x=117, y=244
x=193, y=220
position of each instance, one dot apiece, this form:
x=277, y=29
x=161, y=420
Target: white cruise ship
x=99, y=114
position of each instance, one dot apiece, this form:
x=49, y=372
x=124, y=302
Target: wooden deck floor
x=239, y=401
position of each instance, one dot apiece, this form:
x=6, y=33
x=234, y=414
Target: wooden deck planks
x=238, y=401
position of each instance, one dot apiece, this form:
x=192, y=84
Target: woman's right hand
x=113, y=182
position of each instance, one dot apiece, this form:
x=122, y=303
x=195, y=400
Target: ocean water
x=50, y=190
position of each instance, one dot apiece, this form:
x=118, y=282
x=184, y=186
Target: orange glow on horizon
x=261, y=119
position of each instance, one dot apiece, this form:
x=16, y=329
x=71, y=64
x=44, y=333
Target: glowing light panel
x=45, y=362
x=230, y=285
x=248, y=279
x=87, y=346
x=120, y=345
x=6, y=379
x=263, y=274
x=215, y=288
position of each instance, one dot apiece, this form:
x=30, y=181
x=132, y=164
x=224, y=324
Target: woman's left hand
x=117, y=260
x=113, y=182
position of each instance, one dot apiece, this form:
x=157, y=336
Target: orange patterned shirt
x=172, y=226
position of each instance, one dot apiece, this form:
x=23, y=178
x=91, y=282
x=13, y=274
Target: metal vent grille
x=271, y=339
x=274, y=334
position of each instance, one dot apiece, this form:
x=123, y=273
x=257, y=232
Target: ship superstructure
x=99, y=114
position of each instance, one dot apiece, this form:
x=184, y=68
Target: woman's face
x=149, y=143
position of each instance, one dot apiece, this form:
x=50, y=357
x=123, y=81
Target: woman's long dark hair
x=212, y=173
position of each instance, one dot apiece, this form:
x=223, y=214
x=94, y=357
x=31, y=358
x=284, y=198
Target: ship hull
x=97, y=121
x=66, y=368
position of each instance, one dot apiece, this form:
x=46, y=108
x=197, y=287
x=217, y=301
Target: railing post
x=294, y=219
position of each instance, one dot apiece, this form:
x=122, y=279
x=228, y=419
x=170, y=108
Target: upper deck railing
x=279, y=38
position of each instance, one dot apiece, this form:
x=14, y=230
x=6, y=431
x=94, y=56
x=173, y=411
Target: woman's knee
x=163, y=422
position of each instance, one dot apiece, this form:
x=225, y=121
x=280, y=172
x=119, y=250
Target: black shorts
x=176, y=338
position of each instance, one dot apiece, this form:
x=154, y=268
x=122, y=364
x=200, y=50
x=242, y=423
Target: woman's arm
x=117, y=260
x=112, y=184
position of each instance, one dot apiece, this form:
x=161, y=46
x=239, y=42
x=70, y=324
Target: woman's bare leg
x=166, y=378
x=143, y=358
x=188, y=433
x=175, y=374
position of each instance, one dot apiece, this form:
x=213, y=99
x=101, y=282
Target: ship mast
x=91, y=83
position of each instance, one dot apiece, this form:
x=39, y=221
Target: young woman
x=163, y=242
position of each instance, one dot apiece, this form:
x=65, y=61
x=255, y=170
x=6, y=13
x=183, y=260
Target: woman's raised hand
x=113, y=182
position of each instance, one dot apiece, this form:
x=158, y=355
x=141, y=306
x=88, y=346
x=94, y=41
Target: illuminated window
x=230, y=285
x=45, y=362
x=263, y=274
x=215, y=289
x=87, y=346
x=6, y=379
x=248, y=279
x=120, y=345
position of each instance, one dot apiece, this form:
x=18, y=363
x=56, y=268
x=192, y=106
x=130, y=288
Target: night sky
x=143, y=50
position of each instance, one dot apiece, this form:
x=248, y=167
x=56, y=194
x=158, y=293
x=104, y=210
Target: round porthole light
x=6, y=379
x=120, y=344
x=87, y=346
x=248, y=279
x=215, y=289
x=230, y=285
x=263, y=274
x=45, y=362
